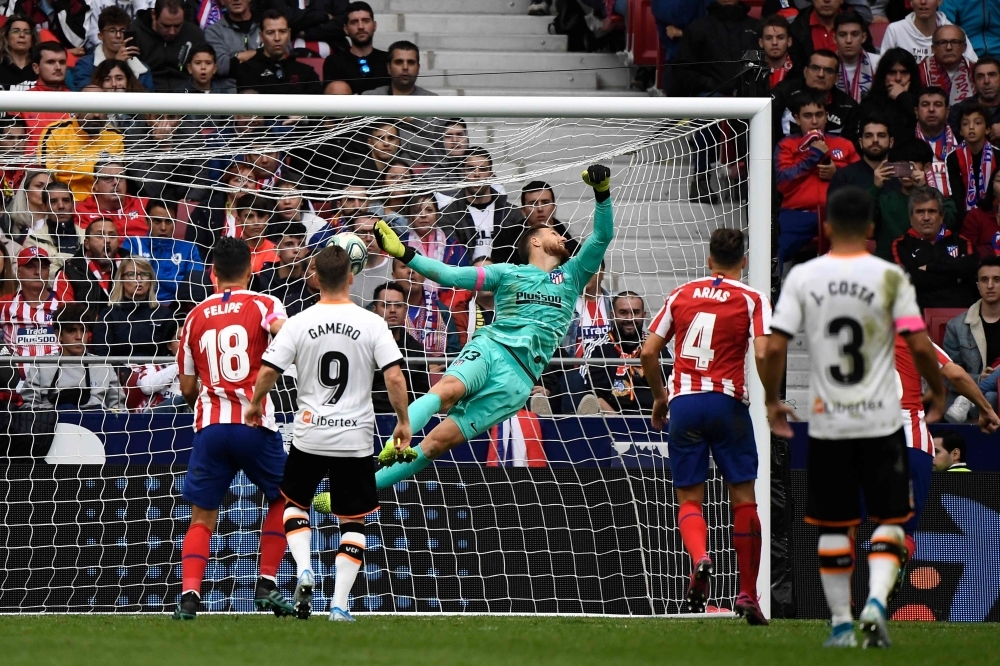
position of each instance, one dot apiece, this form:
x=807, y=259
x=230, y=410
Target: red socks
x=194, y=557
x=694, y=532
x=746, y=541
x=911, y=546
x=272, y=539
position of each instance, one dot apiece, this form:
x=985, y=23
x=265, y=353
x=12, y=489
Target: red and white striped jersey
x=27, y=328
x=712, y=320
x=222, y=342
x=911, y=392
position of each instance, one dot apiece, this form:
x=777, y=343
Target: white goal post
x=755, y=211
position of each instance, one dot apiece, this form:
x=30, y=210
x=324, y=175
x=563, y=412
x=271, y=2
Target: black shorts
x=839, y=470
x=352, y=482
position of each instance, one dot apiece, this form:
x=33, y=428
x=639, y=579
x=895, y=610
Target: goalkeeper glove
x=389, y=456
x=390, y=243
x=598, y=177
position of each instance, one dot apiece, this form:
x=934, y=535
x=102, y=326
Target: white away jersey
x=336, y=349
x=851, y=308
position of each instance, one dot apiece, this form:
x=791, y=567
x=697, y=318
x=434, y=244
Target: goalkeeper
x=492, y=378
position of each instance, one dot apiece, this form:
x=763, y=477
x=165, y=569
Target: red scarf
x=779, y=74
x=943, y=145
x=975, y=183
x=862, y=82
x=933, y=74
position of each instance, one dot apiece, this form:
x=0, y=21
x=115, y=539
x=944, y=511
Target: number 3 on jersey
x=697, y=344
x=226, y=352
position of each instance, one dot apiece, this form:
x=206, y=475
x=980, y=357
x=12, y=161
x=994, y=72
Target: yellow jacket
x=71, y=153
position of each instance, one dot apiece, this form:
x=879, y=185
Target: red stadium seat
x=878, y=32
x=822, y=242
x=315, y=63
x=937, y=319
x=754, y=12
x=642, y=42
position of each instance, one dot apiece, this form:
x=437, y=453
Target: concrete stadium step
x=610, y=71
x=434, y=41
x=471, y=24
x=584, y=80
x=517, y=7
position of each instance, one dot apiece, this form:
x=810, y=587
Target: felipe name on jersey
x=224, y=308
x=845, y=288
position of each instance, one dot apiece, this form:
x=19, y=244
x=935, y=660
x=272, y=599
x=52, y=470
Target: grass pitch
x=470, y=641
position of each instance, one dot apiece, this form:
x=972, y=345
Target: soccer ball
x=355, y=248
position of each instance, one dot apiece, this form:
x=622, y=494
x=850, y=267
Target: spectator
x=820, y=75
x=892, y=195
x=363, y=67
x=396, y=179
x=971, y=165
x=27, y=209
x=403, y=69
x=972, y=340
x=977, y=20
x=173, y=260
x=88, y=276
x=378, y=269
x=116, y=76
x=672, y=19
x=113, y=25
x=63, y=21
x=949, y=452
x=272, y=69
x=285, y=278
x=947, y=67
x=310, y=295
x=234, y=38
x=350, y=208
x=72, y=148
x=165, y=40
x=916, y=31
x=805, y=163
x=941, y=266
x=981, y=225
x=17, y=37
x=217, y=219
x=874, y=145
x=857, y=66
x=161, y=385
x=110, y=201
x=986, y=80
x=427, y=237
x=8, y=281
x=97, y=7
x=427, y=319
x=158, y=141
x=776, y=40
x=202, y=68
x=538, y=206
x=26, y=315
x=383, y=146
x=590, y=323
x=454, y=147
x=71, y=386
x=58, y=235
x=813, y=27
x=254, y=213
x=134, y=324
x=480, y=214
x=388, y=301
x=288, y=207
x=470, y=310
x=932, y=129
x=623, y=389
x=49, y=63
x=894, y=92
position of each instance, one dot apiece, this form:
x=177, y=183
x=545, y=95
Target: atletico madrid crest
x=557, y=276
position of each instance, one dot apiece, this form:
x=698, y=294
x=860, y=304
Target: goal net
x=567, y=508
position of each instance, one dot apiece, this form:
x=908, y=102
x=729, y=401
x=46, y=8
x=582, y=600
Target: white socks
x=350, y=555
x=836, y=563
x=299, y=536
x=884, y=561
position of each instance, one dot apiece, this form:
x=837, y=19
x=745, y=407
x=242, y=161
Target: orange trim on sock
x=834, y=523
x=293, y=502
x=352, y=559
x=878, y=556
x=301, y=529
x=360, y=515
x=832, y=570
x=834, y=553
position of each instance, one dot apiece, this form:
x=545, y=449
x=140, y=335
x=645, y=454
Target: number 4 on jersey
x=697, y=344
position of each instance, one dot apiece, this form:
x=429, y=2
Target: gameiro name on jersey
x=713, y=320
x=221, y=343
x=336, y=349
x=851, y=308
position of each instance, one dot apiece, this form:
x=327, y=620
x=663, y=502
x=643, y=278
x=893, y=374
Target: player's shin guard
x=350, y=556
x=272, y=539
x=747, y=541
x=194, y=557
x=299, y=536
x=836, y=563
x=884, y=559
x=694, y=531
x=389, y=476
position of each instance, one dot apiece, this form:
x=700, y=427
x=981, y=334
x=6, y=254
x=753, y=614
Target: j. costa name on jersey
x=845, y=288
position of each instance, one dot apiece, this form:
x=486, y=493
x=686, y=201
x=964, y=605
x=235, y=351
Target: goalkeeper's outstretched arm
x=592, y=251
x=463, y=277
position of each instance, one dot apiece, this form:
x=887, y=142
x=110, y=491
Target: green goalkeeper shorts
x=494, y=389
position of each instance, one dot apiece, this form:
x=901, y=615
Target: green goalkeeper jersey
x=533, y=308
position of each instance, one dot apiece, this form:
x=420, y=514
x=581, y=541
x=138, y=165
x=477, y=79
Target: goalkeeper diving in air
x=491, y=379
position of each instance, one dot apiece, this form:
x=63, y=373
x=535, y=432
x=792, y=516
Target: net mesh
x=569, y=514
